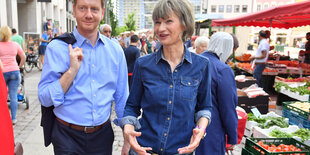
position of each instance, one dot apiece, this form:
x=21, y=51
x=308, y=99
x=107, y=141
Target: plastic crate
x=302, y=113
x=296, y=119
x=252, y=146
x=246, y=152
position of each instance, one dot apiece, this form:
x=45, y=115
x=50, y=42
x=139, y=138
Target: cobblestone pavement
x=29, y=119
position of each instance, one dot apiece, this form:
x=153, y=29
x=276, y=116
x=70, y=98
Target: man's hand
x=231, y=147
x=195, y=140
x=76, y=57
x=130, y=135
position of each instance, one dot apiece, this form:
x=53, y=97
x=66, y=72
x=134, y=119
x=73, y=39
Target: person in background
x=11, y=70
x=224, y=97
x=261, y=57
x=172, y=87
x=45, y=39
x=307, y=48
x=143, y=40
x=6, y=130
x=82, y=81
x=201, y=44
x=106, y=30
x=17, y=38
x=148, y=46
x=192, y=48
x=132, y=53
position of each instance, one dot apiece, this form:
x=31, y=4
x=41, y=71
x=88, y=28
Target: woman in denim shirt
x=171, y=87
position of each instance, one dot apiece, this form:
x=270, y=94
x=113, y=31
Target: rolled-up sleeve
x=56, y=62
x=204, y=98
x=132, y=108
x=121, y=93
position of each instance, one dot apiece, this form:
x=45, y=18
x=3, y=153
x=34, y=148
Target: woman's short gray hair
x=201, y=40
x=182, y=9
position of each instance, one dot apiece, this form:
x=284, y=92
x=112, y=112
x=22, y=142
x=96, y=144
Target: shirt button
x=93, y=81
x=189, y=83
x=161, y=149
x=176, y=70
x=171, y=86
x=94, y=111
x=94, y=95
x=170, y=102
x=87, y=41
x=165, y=134
x=168, y=118
x=92, y=50
x=93, y=65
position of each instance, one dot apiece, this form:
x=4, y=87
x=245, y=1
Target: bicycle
x=32, y=60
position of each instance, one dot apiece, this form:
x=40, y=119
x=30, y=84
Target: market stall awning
x=284, y=16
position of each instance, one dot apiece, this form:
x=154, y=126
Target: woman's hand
x=126, y=147
x=130, y=136
x=195, y=140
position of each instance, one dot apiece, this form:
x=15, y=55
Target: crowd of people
x=173, y=92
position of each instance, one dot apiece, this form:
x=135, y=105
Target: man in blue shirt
x=132, y=53
x=44, y=41
x=81, y=81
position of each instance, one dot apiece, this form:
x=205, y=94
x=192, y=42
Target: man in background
x=106, y=30
x=44, y=41
x=17, y=38
x=132, y=53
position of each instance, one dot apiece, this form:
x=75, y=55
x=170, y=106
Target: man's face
x=107, y=32
x=49, y=32
x=88, y=14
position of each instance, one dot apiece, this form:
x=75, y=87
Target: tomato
x=265, y=146
x=286, y=149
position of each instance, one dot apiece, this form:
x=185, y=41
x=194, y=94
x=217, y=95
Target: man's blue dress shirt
x=101, y=79
x=224, y=115
x=171, y=101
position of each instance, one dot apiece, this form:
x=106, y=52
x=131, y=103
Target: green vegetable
x=304, y=134
x=279, y=134
x=251, y=117
x=274, y=121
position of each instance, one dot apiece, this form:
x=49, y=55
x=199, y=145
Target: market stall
x=266, y=132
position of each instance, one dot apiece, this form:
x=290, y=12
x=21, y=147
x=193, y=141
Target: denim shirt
x=171, y=101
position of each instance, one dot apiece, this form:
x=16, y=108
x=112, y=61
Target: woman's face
x=169, y=31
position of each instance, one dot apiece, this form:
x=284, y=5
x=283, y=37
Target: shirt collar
x=80, y=39
x=187, y=56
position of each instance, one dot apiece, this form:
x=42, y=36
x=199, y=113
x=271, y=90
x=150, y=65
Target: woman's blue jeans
x=12, y=80
x=258, y=71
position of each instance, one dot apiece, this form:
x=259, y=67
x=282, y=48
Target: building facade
x=31, y=16
x=132, y=6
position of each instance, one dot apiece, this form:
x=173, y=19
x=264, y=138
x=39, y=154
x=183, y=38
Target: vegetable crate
x=246, y=152
x=251, y=145
x=295, y=119
x=295, y=115
x=300, y=112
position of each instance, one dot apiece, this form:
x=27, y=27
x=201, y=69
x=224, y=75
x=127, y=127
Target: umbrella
x=284, y=16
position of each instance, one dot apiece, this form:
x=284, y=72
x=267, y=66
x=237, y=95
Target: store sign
x=44, y=0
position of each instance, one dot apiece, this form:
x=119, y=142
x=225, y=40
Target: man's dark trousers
x=67, y=141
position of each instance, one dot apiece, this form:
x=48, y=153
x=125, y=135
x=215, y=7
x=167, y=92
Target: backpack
x=48, y=116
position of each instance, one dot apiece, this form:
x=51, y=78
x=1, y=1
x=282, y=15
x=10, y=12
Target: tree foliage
x=130, y=22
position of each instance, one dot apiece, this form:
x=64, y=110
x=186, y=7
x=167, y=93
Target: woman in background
x=11, y=70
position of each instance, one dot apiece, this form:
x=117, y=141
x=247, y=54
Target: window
x=259, y=7
x=228, y=8
x=265, y=6
x=221, y=8
x=244, y=8
x=237, y=8
x=213, y=8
